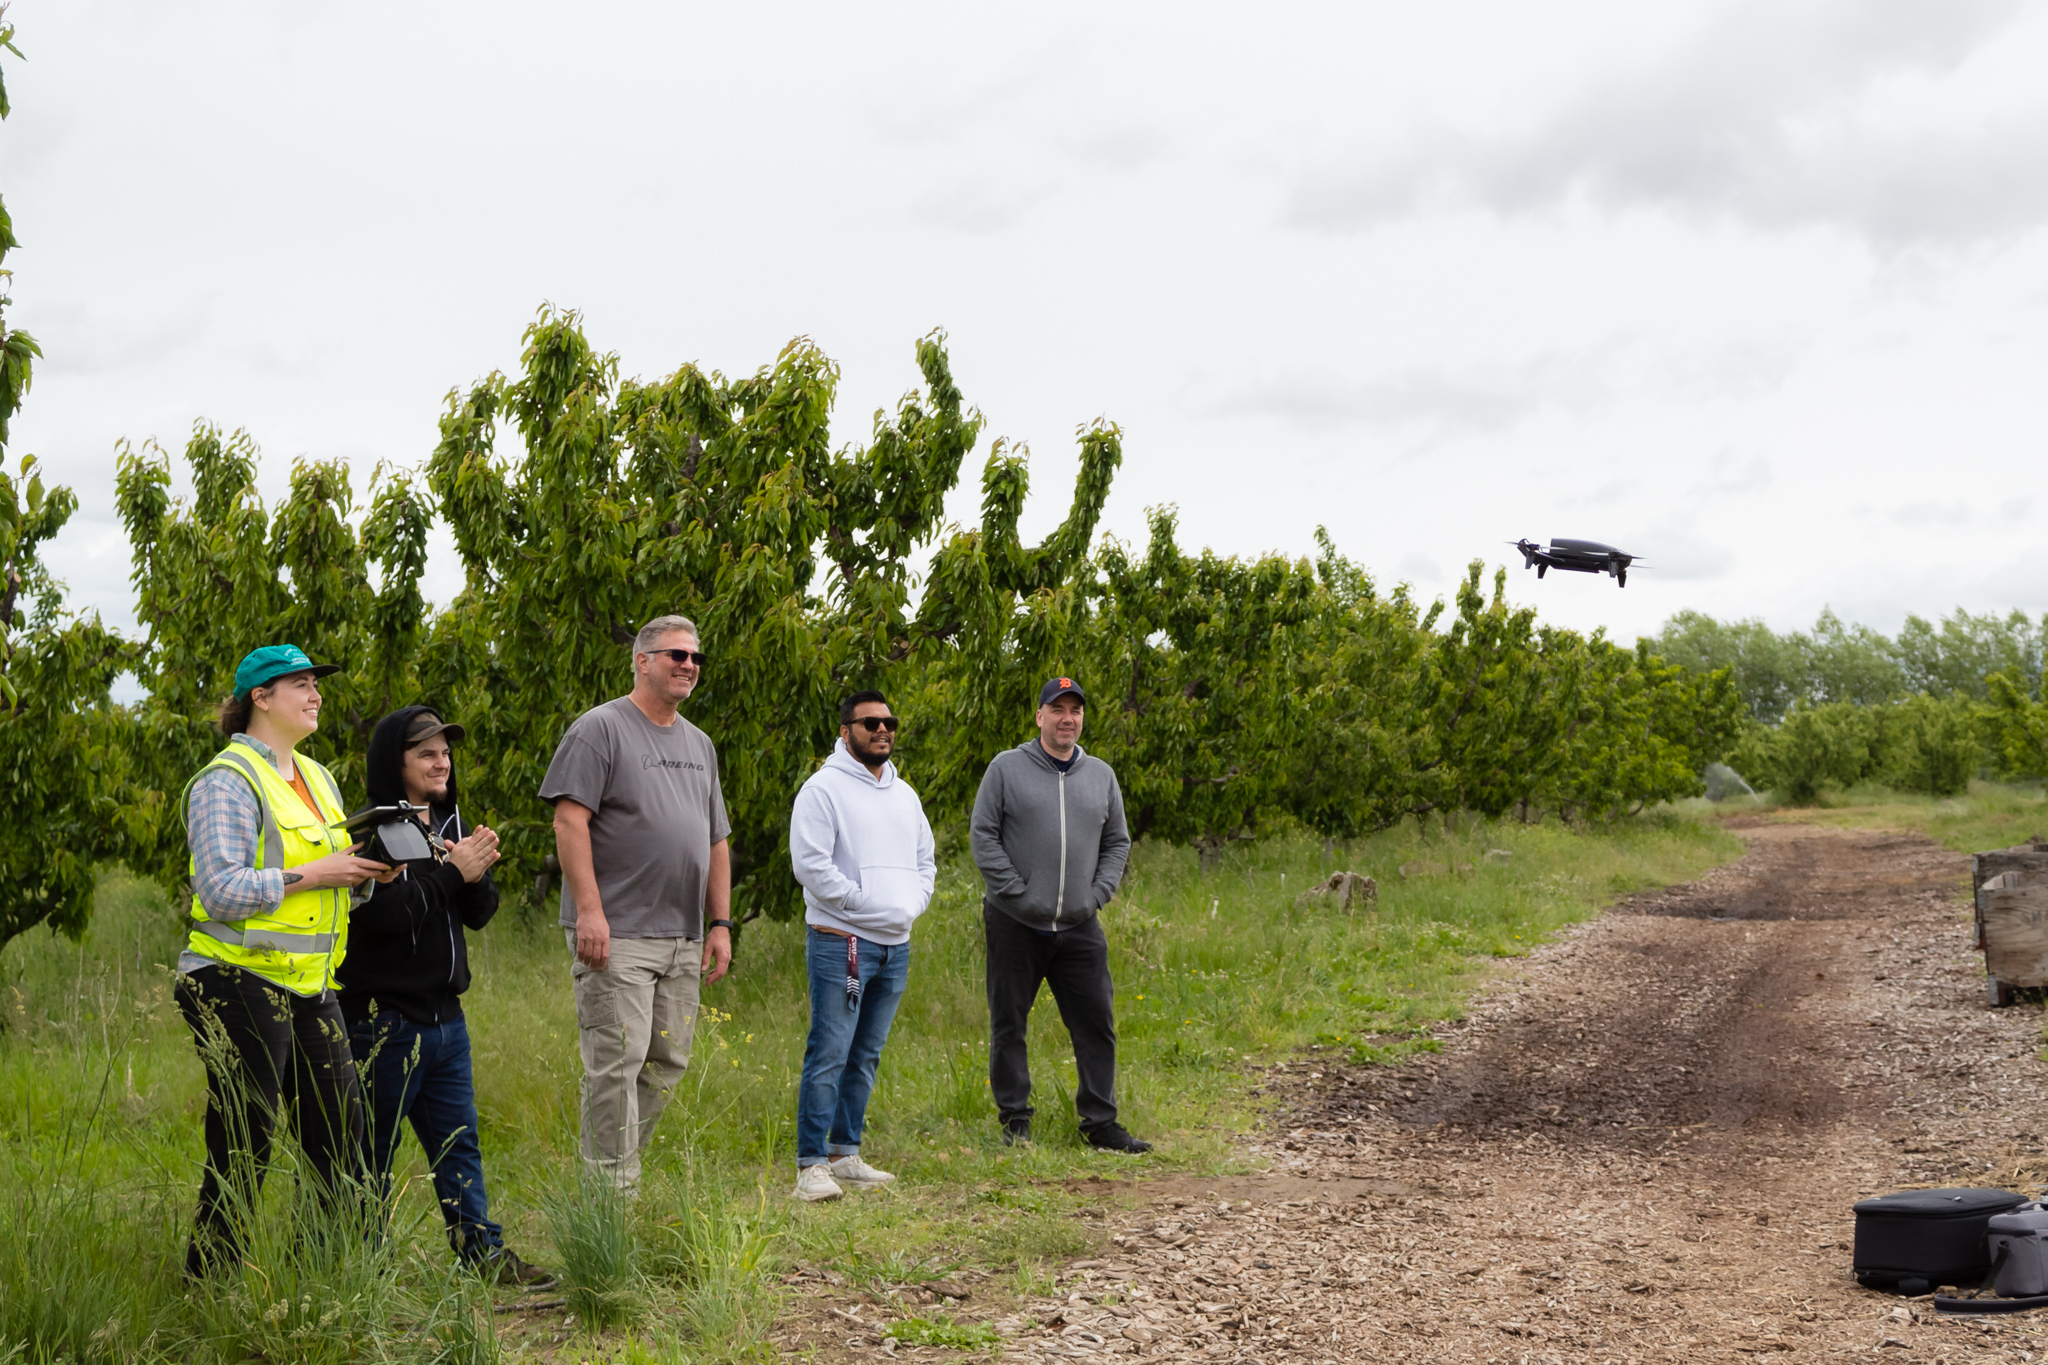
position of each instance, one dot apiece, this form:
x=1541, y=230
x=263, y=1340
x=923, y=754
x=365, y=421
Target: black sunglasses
x=681, y=656
x=874, y=723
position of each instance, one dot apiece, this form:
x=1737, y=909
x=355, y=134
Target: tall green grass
x=1218, y=972
x=1989, y=815
x=594, y=1246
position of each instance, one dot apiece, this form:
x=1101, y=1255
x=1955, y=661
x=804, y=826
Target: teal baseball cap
x=260, y=666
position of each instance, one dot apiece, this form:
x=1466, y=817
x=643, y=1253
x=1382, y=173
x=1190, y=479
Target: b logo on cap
x=1066, y=682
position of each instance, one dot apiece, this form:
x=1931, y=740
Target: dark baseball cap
x=271, y=662
x=426, y=725
x=1055, y=688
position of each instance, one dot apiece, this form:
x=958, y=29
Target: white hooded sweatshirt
x=862, y=850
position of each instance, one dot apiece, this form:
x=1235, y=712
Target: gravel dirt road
x=1642, y=1145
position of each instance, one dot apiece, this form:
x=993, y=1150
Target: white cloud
x=1729, y=476
x=1123, y=148
x=1856, y=115
x=1725, y=284
x=980, y=205
x=1678, y=553
x=1923, y=515
x=1325, y=401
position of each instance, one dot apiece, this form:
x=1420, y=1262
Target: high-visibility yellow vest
x=299, y=944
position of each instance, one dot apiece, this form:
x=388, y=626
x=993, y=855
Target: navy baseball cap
x=1055, y=688
x=260, y=666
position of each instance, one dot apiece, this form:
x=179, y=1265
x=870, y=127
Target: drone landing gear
x=1621, y=578
x=1542, y=569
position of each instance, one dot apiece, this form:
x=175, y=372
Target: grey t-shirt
x=656, y=811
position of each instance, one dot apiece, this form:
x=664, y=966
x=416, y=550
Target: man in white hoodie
x=862, y=849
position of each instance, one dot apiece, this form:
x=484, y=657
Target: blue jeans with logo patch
x=845, y=1043
x=421, y=1072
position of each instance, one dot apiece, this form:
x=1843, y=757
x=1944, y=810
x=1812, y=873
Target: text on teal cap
x=259, y=666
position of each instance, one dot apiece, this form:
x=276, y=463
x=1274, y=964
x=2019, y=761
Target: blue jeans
x=421, y=1072
x=845, y=1044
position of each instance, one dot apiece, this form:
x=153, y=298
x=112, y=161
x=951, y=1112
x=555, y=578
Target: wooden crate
x=2012, y=917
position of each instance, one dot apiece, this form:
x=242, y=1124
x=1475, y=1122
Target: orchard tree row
x=64, y=793
x=1234, y=696
x=1840, y=705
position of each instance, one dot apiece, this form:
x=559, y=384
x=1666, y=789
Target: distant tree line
x=1839, y=705
x=1235, y=696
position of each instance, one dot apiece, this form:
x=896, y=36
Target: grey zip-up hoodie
x=1051, y=846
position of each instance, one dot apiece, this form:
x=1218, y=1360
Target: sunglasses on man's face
x=874, y=723
x=681, y=656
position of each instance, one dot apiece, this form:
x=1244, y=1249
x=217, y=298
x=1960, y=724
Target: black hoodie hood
x=384, y=771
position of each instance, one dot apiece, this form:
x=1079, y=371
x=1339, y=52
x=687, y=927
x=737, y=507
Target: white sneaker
x=814, y=1184
x=854, y=1171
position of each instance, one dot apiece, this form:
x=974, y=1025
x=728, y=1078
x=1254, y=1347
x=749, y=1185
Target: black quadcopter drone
x=1576, y=556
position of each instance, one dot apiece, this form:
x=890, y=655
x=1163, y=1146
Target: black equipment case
x=1914, y=1240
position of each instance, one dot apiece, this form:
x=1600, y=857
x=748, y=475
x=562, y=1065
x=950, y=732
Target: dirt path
x=1642, y=1146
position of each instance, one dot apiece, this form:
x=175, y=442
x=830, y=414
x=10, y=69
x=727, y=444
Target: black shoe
x=501, y=1265
x=1111, y=1137
x=1017, y=1133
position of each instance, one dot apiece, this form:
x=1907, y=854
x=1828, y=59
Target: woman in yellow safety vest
x=273, y=873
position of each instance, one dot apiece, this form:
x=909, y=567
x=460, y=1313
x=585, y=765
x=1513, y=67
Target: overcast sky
x=1757, y=291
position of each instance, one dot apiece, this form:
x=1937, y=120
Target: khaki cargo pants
x=634, y=1020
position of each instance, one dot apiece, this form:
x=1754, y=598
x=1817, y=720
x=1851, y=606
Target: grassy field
x=1219, y=973
x=1990, y=815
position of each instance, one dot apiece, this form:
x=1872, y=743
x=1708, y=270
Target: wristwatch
x=719, y=924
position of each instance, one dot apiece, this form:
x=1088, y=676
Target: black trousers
x=268, y=1052
x=1075, y=963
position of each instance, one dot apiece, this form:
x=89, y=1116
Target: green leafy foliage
x=2016, y=725
x=720, y=500
x=1648, y=730
x=1927, y=711
x=6, y=41
x=1235, y=695
x=1500, y=700
x=1839, y=662
x=1354, y=701
x=60, y=756
x=999, y=617
x=1189, y=660
x=1955, y=657
x=944, y=1331
x=59, y=760
x=1234, y=691
x=1833, y=744
x=218, y=572
x=1932, y=744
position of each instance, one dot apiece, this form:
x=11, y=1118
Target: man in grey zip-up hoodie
x=1048, y=835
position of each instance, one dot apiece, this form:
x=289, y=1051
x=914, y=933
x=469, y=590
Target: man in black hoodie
x=402, y=979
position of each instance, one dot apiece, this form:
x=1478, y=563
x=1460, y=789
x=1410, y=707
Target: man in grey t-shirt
x=640, y=831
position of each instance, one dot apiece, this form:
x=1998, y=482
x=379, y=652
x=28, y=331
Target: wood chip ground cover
x=1641, y=1145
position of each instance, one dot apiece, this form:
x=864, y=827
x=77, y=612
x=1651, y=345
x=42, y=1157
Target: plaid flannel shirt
x=223, y=825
